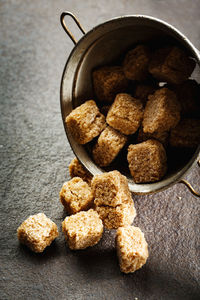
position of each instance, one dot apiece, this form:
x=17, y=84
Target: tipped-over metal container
x=100, y=46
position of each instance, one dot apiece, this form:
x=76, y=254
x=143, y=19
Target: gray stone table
x=34, y=155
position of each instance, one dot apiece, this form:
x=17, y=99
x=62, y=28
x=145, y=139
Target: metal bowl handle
x=67, y=13
x=192, y=190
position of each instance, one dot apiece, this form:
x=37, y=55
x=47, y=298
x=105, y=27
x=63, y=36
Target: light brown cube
x=162, y=111
x=85, y=122
x=147, y=161
x=108, y=82
x=115, y=217
x=125, y=114
x=171, y=64
x=108, y=146
x=76, y=195
x=83, y=229
x=161, y=136
x=136, y=63
x=186, y=134
x=110, y=188
x=37, y=232
x=132, y=248
x=76, y=169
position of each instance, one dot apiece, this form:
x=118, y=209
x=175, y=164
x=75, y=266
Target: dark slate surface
x=35, y=155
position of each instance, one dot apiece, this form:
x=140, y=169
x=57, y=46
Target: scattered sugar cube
x=76, y=195
x=37, y=232
x=83, y=229
x=110, y=188
x=120, y=215
x=76, y=169
x=132, y=248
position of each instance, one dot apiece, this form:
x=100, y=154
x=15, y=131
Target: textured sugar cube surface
x=76, y=169
x=110, y=188
x=147, y=161
x=83, y=229
x=125, y=114
x=186, y=134
x=162, y=111
x=136, y=62
x=171, y=64
x=120, y=215
x=113, y=200
x=132, y=248
x=76, y=195
x=37, y=232
x=108, y=146
x=109, y=81
x=85, y=122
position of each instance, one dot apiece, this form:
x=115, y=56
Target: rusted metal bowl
x=100, y=46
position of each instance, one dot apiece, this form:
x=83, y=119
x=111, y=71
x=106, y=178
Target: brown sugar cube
x=76, y=169
x=132, y=248
x=83, y=229
x=115, y=217
x=108, y=82
x=161, y=136
x=108, y=145
x=143, y=90
x=37, y=232
x=186, y=134
x=76, y=195
x=110, y=188
x=188, y=94
x=162, y=111
x=85, y=122
x=125, y=114
x=147, y=161
x=136, y=63
x=171, y=64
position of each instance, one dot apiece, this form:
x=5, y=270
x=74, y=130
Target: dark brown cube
x=136, y=63
x=161, y=136
x=108, y=82
x=188, y=94
x=171, y=64
x=186, y=134
x=143, y=90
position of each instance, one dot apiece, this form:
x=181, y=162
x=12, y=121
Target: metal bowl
x=100, y=46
